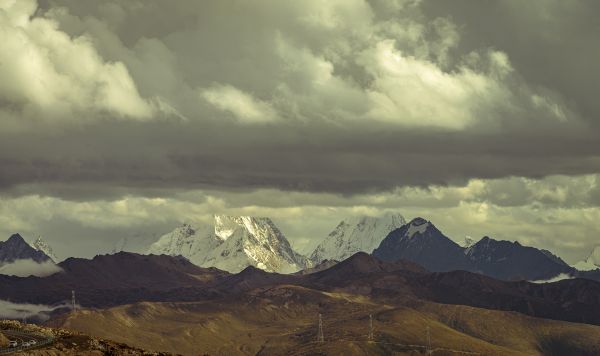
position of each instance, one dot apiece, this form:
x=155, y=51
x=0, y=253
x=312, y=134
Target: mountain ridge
x=420, y=241
x=232, y=243
x=358, y=234
x=16, y=248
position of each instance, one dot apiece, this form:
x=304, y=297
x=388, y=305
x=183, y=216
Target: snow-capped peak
x=359, y=234
x=592, y=262
x=225, y=225
x=41, y=245
x=232, y=243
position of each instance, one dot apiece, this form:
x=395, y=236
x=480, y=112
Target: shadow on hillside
x=562, y=345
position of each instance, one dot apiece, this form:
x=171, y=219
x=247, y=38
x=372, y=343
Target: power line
x=429, y=349
x=320, y=336
x=73, y=304
x=371, y=327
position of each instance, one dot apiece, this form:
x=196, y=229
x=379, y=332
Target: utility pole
x=429, y=350
x=320, y=336
x=73, y=304
x=371, y=327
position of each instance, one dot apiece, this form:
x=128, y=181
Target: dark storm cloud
x=552, y=43
x=346, y=97
x=155, y=158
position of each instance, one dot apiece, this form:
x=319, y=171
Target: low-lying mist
x=29, y=267
x=31, y=312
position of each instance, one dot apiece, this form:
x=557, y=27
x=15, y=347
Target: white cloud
x=557, y=278
x=242, y=105
x=48, y=75
x=29, y=267
x=335, y=61
x=416, y=92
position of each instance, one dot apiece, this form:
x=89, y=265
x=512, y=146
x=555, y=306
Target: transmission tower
x=371, y=327
x=320, y=336
x=73, y=304
x=429, y=349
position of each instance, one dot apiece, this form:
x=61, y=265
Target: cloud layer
x=344, y=96
x=29, y=267
x=558, y=213
x=125, y=117
x=9, y=310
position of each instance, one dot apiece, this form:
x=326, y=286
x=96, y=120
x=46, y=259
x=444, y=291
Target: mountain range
x=166, y=303
x=124, y=278
x=113, y=279
x=421, y=242
x=360, y=234
x=257, y=312
x=16, y=248
x=232, y=243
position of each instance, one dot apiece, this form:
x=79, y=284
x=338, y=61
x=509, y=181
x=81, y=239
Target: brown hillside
x=283, y=320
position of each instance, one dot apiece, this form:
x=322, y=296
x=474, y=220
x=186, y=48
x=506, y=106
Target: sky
x=121, y=119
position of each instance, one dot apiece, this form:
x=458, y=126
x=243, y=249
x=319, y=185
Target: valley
x=284, y=320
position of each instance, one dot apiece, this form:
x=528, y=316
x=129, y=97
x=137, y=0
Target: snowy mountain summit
x=41, y=245
x=360, y=234
x=232, y=243
x=592, y=262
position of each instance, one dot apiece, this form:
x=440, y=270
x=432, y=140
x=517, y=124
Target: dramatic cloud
x=48, y=75
x=122, y=118
x=337, y=96
x=29, y=267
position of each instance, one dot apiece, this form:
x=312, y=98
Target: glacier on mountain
x=41, y=245
x=359, y=234
x=232, y=243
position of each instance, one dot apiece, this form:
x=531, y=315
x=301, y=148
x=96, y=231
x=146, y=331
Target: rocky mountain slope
x=421, y=242
x=41, y=245
x=232, y=243
x=360, y=234
x=513, y=261
x=15, y=248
